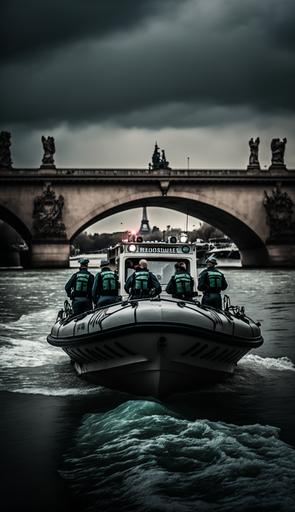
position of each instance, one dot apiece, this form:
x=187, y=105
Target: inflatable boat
x=156, y=347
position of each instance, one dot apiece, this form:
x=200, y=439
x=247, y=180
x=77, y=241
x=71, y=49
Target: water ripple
x=142, y=455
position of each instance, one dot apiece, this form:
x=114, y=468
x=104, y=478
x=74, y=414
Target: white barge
x=94, y=259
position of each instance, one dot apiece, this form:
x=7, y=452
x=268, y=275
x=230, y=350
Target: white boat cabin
x=161, y=258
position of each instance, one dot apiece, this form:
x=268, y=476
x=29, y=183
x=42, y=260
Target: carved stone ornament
x=279, y=209
x=5, y=155
x=164, y=186
x=47, y=215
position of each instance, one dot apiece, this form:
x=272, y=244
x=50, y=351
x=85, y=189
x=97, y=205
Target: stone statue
x=158, y=161
x=278, y=151
x=164, y=162
x=254, y=148
x=47, y=215
x=49, y=150
x=279, y=209
x=5, y=154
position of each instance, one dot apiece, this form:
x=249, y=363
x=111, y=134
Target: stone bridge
x=49, y=207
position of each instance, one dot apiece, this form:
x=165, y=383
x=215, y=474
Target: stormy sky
x=108, y=78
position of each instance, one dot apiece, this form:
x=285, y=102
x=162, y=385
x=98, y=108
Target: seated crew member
x=79, y=287
x=211, y=282
x=142, y=283
x=105, y=287
x=181, y=284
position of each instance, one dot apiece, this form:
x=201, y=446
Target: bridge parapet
x=279, y=173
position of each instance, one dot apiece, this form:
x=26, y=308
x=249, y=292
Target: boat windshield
x=163, y=268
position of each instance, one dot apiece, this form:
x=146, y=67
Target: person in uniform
x=181, y=284
x=142, y=283
x=79, y=287
x=106, y=286
x=211, y=282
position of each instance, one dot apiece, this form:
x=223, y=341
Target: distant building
x=145, y=225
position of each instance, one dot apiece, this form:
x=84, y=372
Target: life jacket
x=183, y=283
x=214, y=280
x=81, y=284
x=108, y=281
x=141, y=280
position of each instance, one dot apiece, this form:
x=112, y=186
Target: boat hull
x=178, y=347
x=163, y=365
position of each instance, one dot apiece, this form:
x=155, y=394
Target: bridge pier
x=50, y=254
x=281, y=255
x=252, y=258
x=269, y=256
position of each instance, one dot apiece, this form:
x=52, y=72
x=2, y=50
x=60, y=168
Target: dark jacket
x=101, y=289
x=186, y=291
x=80, y=285
x=211, y=280
x=132, y=284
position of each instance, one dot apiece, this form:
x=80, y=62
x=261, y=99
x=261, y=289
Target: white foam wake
x=23, y=342
x=58, y=391
x=269, y=363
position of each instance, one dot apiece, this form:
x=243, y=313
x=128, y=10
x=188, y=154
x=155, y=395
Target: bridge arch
x=252, y=248
x=16, y=223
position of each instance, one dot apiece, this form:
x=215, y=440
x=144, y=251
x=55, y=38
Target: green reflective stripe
x=81, y=284
x=183, y=283
x=215, y=279
x=108, y=281
x=141, y=280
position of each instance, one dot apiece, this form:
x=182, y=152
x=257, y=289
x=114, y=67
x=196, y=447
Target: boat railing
x=66, y=314
x=236, y=311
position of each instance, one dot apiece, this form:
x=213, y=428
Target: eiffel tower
x=145, y=225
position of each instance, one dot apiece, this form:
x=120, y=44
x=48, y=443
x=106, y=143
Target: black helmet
x=104, y=263
x=212, y=259
x=83, y=261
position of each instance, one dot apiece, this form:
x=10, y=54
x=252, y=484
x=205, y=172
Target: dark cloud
x=149, y=64
x=31, y=27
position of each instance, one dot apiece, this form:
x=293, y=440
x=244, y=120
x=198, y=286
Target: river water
x=225, y=447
